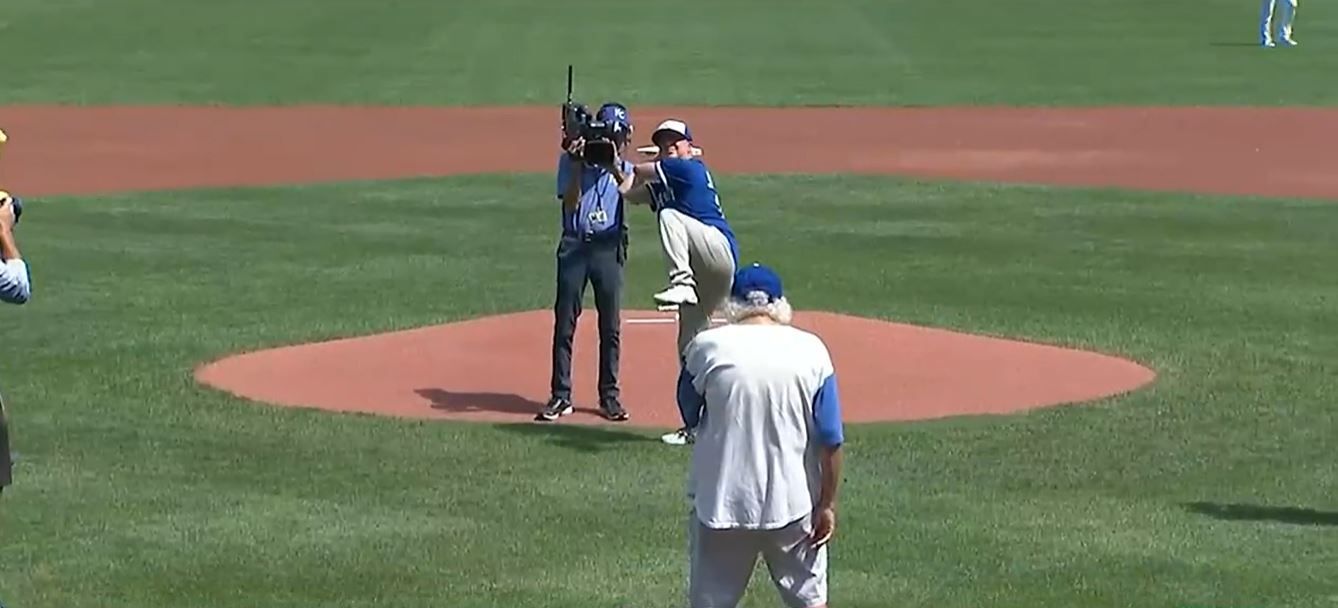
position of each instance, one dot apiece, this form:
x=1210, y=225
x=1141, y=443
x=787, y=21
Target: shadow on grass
x=504, y=403
x=1245, y=512
x=579, y=437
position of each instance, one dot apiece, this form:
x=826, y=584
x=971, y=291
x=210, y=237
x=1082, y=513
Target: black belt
x=597, y=237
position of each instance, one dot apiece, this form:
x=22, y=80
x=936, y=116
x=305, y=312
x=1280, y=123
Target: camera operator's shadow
x=503, y=403
x=575, y=436
x=452, y=401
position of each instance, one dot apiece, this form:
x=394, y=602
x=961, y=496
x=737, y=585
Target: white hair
x=757, y=305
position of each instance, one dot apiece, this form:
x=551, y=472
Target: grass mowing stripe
x=137, y=487
x=730, y=52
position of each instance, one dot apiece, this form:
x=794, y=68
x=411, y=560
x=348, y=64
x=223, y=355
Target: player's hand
x=574, y=146
x=6, y=212
x=824, y=527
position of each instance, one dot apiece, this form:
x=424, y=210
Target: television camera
x=601, y=137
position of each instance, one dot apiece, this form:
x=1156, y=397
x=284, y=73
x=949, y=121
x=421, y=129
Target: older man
x=766, y=462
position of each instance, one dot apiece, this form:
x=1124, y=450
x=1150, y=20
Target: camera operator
x=14, y=289
x=593, y=249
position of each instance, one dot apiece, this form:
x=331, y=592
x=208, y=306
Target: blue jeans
x=599, y=263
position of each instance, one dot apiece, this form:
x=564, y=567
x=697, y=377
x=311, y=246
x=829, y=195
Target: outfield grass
x=138, y=488
x=755, y=52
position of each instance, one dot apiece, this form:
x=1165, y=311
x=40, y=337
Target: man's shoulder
x=710, y=336
x=681, y=166
x=771, y=334
x=710, y=342
x=809, y=343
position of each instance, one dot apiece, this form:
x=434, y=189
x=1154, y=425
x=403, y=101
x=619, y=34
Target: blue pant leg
x=606, y=277
x=572, y=273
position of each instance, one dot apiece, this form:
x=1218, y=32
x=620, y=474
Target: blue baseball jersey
x=685, y=185
x=601, y=206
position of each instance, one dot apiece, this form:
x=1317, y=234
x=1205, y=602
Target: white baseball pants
x=698, y=255
x=1286, y=12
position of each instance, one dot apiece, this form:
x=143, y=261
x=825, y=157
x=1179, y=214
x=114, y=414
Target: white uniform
x=1286, y=12
x=764, y=401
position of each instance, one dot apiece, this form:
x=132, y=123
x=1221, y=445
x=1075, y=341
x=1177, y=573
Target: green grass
x=730, y=52
x=138, y=488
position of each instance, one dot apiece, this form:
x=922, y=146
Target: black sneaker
x=556, y=408
x=613, y=410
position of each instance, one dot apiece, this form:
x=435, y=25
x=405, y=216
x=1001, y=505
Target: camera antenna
x=566, y=107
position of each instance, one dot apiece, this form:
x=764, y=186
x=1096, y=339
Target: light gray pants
x=721, y=563
x=698, y=255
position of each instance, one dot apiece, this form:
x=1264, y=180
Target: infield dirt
x=1240, y=151
x=497, y=368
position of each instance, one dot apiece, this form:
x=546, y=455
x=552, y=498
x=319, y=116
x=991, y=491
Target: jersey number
x=710, y=185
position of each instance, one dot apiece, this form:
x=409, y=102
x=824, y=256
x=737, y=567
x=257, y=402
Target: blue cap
x=615, y=113
x=756, y=285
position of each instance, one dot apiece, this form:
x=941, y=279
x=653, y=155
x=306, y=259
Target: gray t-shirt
x=769, y=402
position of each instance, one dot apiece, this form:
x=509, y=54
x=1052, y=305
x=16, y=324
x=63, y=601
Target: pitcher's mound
x=497, y=369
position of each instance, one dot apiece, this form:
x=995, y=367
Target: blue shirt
x=601, y=207
x=685, y=185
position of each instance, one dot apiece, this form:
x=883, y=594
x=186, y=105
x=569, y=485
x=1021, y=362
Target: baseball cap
x=614, y=112
x=757, y=284
x=674, y=126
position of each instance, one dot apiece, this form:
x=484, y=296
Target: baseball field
x=292, y=266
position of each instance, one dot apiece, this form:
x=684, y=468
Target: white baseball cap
x=673, y=126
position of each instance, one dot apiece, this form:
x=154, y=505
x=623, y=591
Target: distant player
x=766, y=465
x=1285, y=15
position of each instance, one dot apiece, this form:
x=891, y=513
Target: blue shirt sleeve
x=690, y=402
x=15, y=287
x=673, y=169
x=827, y=413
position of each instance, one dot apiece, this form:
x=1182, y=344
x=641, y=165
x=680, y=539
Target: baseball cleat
x=682, y=436
x=678, y=295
